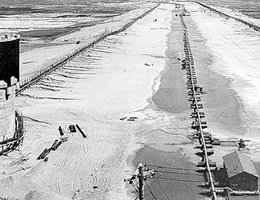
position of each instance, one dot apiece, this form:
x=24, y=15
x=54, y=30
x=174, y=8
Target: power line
x=153, y=181
x=135, y=187
x=167, y=172
x=193, y=181
x=163, y=190
x=166, y=167
x=150, y=190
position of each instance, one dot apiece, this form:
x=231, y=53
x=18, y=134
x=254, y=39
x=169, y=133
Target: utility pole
x=141, y=181
x=142, y=173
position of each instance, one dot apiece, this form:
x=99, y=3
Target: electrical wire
x=167, y=172
x=135, y=187
x=193, y=181
x=163, y=190
x=159, y=166
x=150, y=190
x=153, y=181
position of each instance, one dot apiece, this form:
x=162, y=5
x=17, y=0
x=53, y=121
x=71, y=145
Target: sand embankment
x=40, y=60
x=229, y=13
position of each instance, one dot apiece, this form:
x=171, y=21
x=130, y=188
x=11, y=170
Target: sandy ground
x=103, y=84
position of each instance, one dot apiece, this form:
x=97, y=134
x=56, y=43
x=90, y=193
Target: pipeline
x=194, y=96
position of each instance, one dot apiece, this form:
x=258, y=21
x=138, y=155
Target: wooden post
x=141, y=173
x=141, y=181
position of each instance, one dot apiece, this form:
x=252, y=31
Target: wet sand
x=221, y=105
x=171, y=149
x=172, y=95
x=223, y=108
x=177, y=179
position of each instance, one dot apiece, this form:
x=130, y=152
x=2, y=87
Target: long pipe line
x=191, y=66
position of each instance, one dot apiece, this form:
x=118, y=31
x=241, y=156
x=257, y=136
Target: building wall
x=7, y=108
x=9, y=60
x=244, y=182
x=221, y=176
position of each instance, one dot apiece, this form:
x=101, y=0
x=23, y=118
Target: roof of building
x=236, y=163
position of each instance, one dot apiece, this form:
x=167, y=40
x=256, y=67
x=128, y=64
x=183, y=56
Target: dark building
x=9, y=57
x=241, y=172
